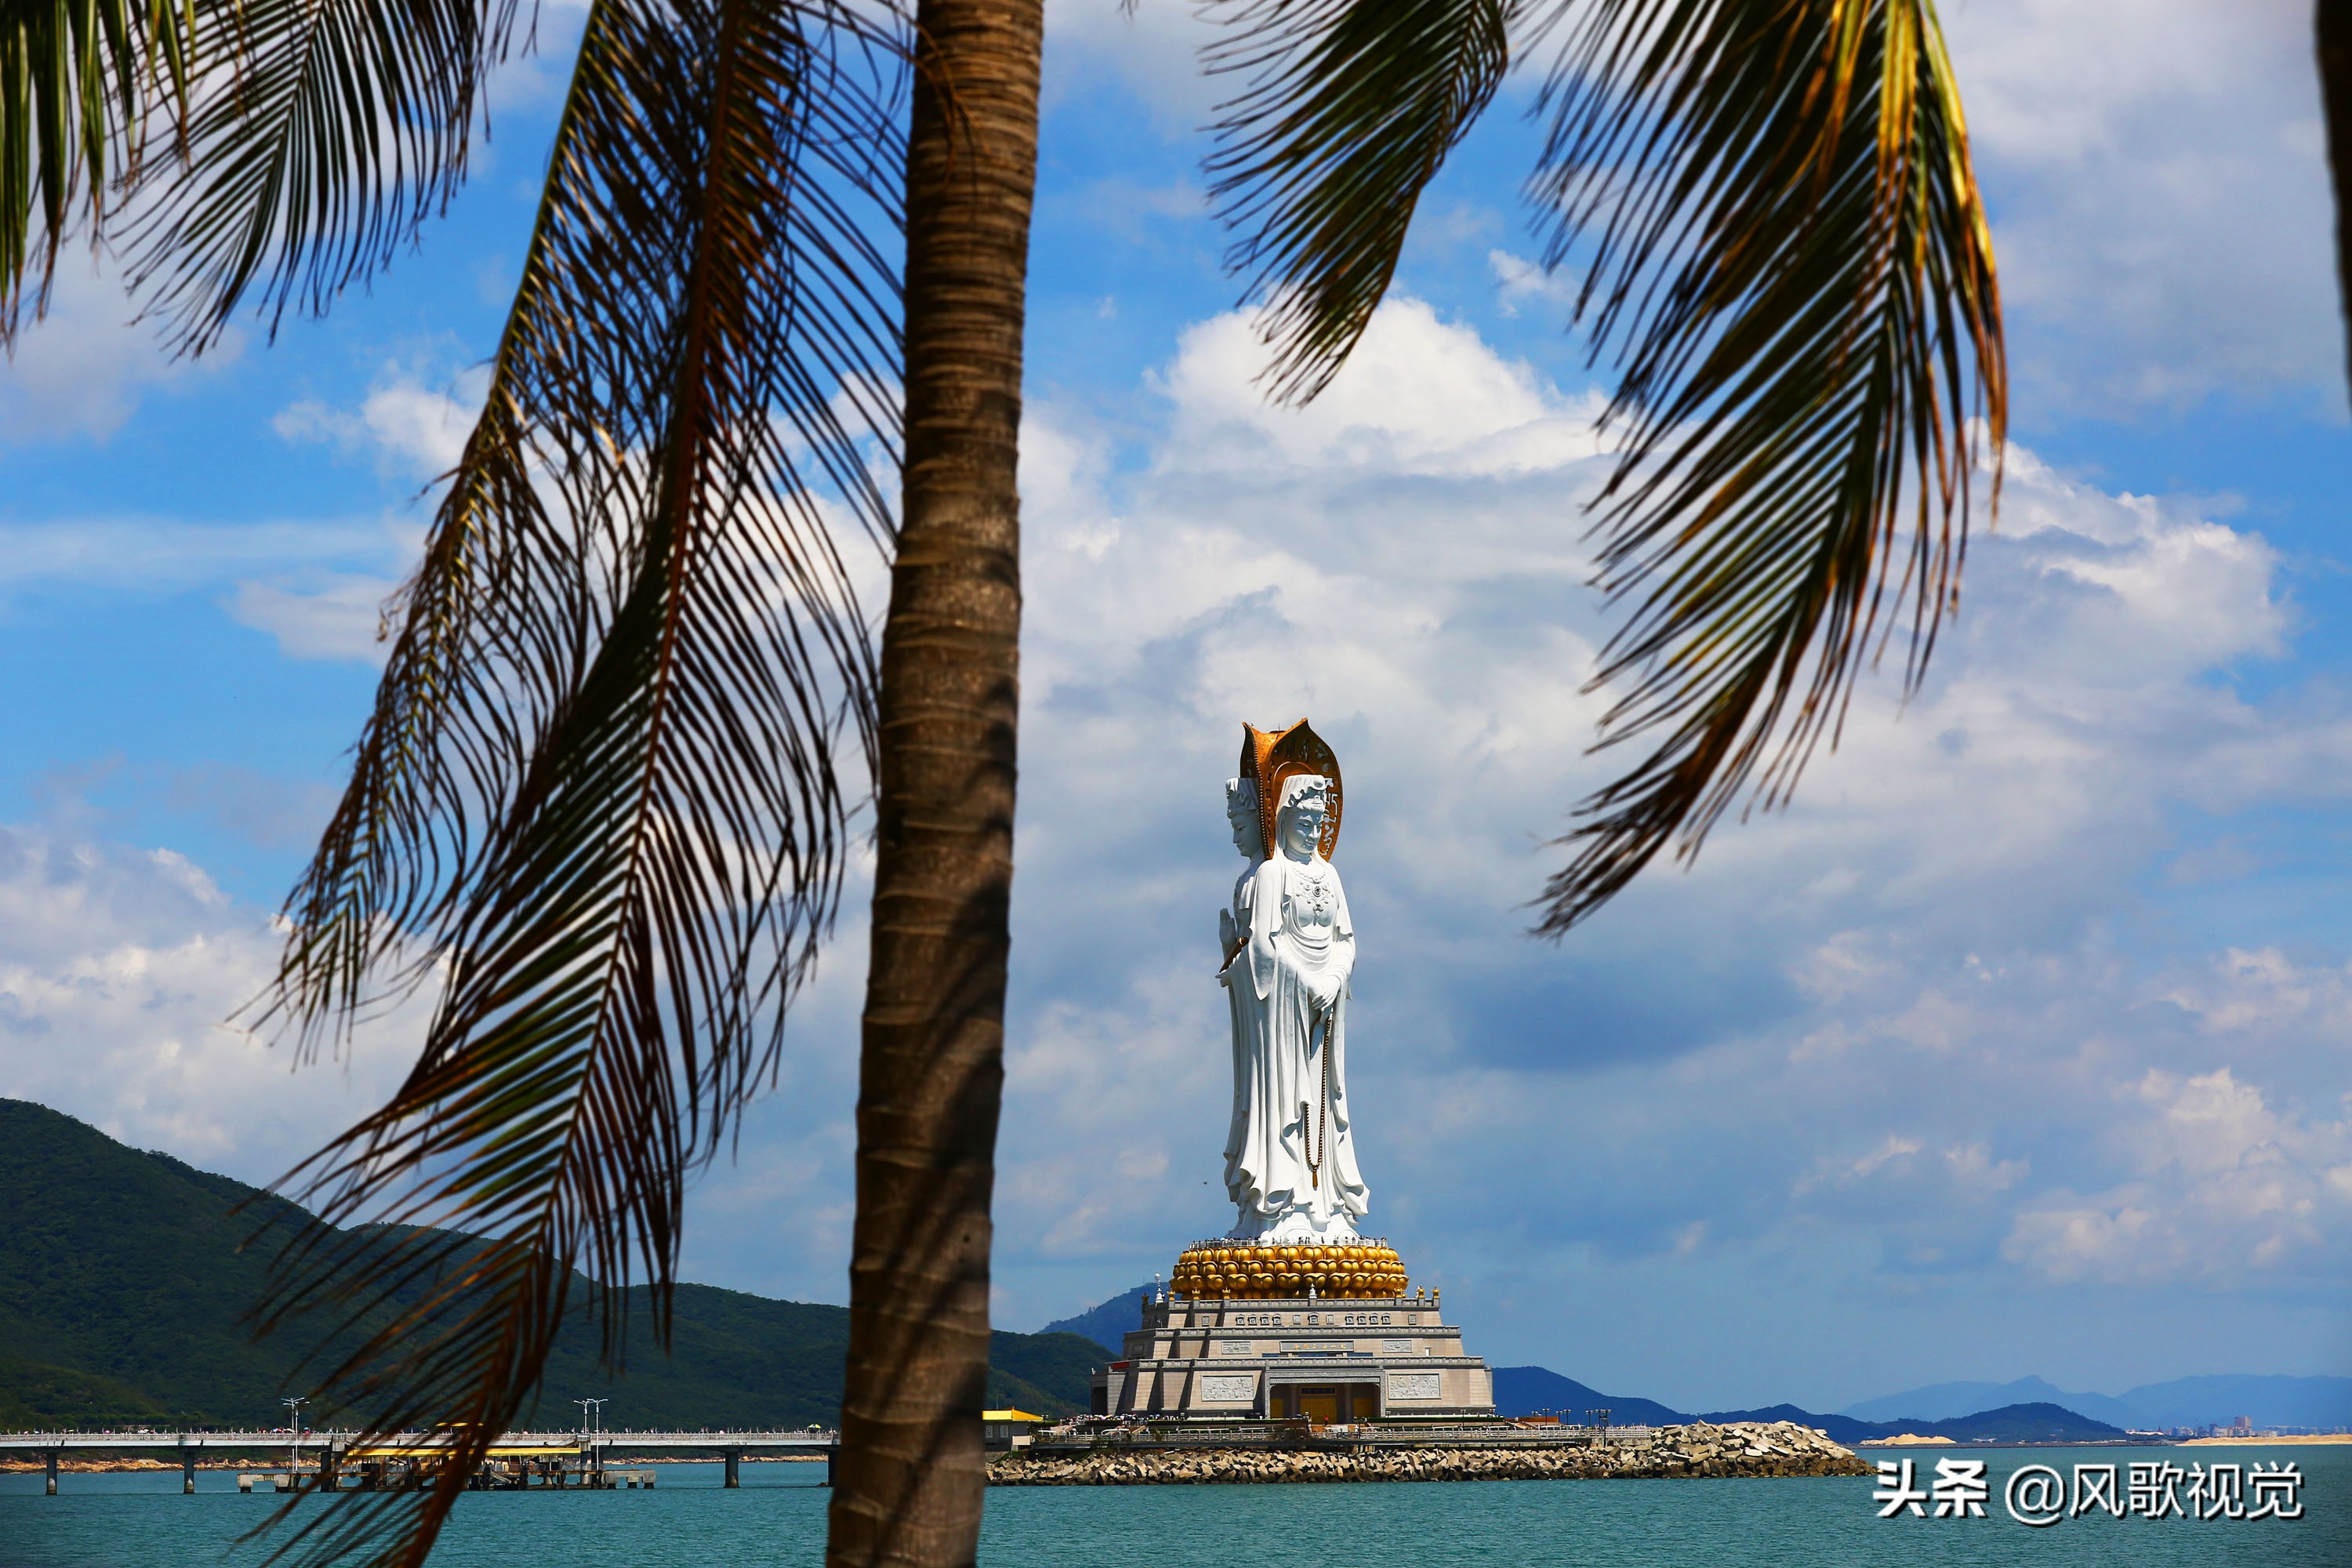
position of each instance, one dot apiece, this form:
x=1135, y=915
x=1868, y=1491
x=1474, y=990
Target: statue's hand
x=1225, y=932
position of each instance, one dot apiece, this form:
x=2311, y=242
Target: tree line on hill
x=125, y=1278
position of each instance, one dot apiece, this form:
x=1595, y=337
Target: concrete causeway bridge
x=333, y=1455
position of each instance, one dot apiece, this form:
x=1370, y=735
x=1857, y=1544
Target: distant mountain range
x=123, y=1283
x=2010, y=1411
x=2183, y=1402
x=1527, y=1390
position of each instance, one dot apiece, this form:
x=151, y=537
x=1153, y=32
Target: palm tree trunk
x=931, y=1073
x=2333, y=21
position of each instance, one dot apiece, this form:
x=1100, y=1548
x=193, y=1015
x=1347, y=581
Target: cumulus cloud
x=409, y=423
x=2160, y=202
x=1422, y=396
x=2229, y=1189
x=121, y=973
x=81, y=371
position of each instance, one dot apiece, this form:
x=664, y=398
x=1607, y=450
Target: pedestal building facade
x=1325, y=1361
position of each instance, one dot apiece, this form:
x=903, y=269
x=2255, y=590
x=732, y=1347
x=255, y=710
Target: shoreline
x=84, y=1467
x=1698, y=1451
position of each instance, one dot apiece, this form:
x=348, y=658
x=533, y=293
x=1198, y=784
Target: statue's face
x=1302, y=828
x=1242, y=817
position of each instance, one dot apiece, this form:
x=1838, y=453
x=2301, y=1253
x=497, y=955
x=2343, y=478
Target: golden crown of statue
x=1270, y=756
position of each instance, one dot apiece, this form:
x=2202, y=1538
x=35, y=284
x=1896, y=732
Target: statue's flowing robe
x=1292, y=1147
x=1241, y=1002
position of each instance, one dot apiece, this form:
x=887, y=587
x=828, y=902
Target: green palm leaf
x=75, y=79
x=324, y=132
x=1349, y=112
x=602, y=800
x=1772, y=205
x=1781, y=231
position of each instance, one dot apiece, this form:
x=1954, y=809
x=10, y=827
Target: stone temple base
x=1270, y=1358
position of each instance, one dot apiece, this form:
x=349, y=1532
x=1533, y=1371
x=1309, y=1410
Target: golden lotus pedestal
x=1351, y=1270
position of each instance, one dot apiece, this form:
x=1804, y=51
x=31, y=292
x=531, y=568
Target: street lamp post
x=592, y=1428
x=294, y=1435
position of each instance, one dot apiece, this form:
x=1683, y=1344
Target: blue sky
x=2017, y=1047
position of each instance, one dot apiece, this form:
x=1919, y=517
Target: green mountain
x=2037, y=1422
x=123, y=1286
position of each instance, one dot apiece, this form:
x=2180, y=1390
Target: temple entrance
x=1324, y=1402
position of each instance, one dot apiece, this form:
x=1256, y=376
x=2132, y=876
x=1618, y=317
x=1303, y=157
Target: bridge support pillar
x=187, y=1470
x=734, y=1467
x=830, y=1456
x=53, y=1472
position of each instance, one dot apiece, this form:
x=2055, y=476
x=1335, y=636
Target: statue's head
x=1241, y=812
x=1305, y=804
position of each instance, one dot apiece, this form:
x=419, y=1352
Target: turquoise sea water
x=142, y=1520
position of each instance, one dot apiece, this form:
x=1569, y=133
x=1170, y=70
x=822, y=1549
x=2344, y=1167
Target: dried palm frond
x=603, y=801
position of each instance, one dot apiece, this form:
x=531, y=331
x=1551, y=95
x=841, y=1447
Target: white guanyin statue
x=1290, y=948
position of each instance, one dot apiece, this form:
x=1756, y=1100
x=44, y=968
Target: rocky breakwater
x=1739, y=1449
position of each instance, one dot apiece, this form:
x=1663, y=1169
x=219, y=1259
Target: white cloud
x=1893, y=1038
x=1518, y=280
x=407, y=424
x=290, y=579
x=2159, y=198
x=1844, y=1172
x=81, y=371
x=121, y=971
x=2261, y=990
x=2230, y=1190
x=1420, y=395
x=2160, y=203
x=157, y=555
x=317, y=587
x=338, y=616
x=1149, y=48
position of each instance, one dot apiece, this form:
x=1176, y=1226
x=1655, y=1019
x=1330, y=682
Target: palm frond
x=320, y=135
x=1780, y=233
x=603, y=801
x=1782, y=243
x=1349, y=111
x=75, y=79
